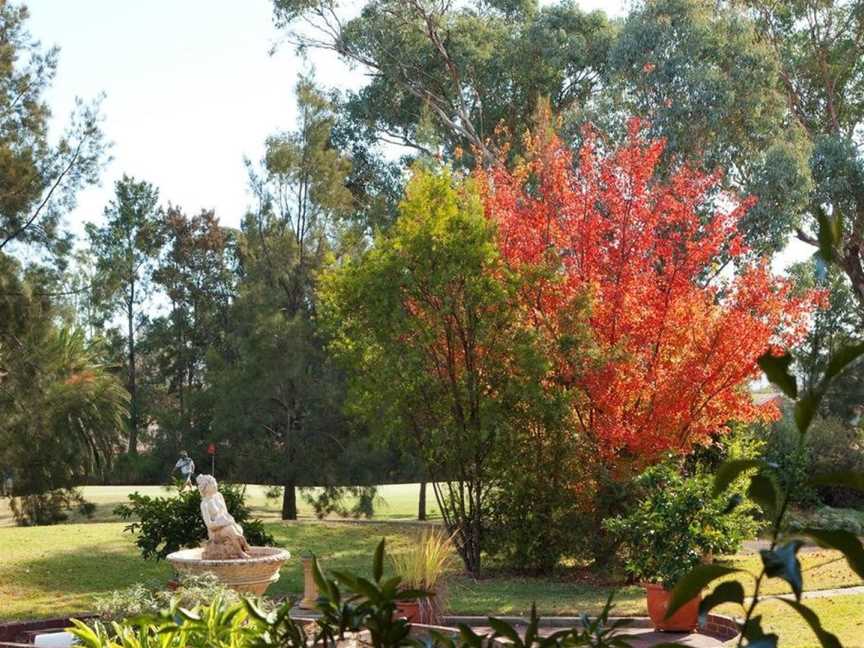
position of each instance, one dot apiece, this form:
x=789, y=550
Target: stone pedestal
x=310, y=588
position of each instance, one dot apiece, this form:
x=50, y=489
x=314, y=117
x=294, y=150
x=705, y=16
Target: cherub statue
x=226, y=539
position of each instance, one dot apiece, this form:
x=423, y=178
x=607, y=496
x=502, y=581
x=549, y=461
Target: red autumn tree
x=678, y=335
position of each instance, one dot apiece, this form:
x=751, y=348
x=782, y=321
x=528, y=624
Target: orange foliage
x=677, y=335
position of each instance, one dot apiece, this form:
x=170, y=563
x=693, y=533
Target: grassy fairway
x=54, y=570
x=49, y=571
x=395, y=502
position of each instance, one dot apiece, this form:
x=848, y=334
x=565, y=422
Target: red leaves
x=678, y=331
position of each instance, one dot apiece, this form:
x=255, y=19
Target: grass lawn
x=395, y=502
x=55, y=570
x=48, y=571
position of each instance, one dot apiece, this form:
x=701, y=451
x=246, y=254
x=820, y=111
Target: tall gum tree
x=126, y=248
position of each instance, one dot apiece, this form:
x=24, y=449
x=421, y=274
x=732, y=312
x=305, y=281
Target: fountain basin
x=251, y=575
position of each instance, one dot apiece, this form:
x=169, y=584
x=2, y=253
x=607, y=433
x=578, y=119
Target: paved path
x=641, y=637
x=817, y=594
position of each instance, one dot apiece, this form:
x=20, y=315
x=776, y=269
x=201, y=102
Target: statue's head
x=206, y=484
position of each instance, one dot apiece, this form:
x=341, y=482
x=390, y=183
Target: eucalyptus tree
x=39, y=178
x=196, y=274
x=444, y=77
x=126, y=247
x=771, y=92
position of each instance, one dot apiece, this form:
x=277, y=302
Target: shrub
x=50, y=507
x=826, y=517
x=140, y=599
x=165, y=524
x=349, y=605
x=675, y=524
x=834, y=445
x=831, y=445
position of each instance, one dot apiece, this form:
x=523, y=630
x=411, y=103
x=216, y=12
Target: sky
x=191, y=89
x=190, y=86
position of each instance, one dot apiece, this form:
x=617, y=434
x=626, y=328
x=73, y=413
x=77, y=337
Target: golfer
x=186, y=467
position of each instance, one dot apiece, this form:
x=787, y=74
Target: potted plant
x=422, y=567
x=674, y=525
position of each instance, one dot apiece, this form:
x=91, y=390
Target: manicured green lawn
x=842, y=615
x=49, y=571
x=822, y=570
x=396, y=501
x=55, y=570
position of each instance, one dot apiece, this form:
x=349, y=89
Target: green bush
x=832, y=445
x=166, y=524
x=353, y=611
x=50, y=507
x=826, y=517
x=676, y=524
x=140, y=599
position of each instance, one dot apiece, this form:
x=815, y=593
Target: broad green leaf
x=827, y=235
x=805, y=410
x=843, y=541
x=840, y=359
x=826, y=639
x=323, y=584
x=783, y=563
x=776, y=369
x=845, y=478
x=378, y=563
x=469, y=637
x=504, y=629
x=256, y=612
x=441, y=640
x=692, y=584
x=756, y=637
x=730, y=470
x=763, y=491
x=728, y=592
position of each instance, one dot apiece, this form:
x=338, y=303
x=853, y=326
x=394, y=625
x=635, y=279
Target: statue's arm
x=205, y=513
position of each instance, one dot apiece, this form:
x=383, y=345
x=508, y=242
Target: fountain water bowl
x=252, y=575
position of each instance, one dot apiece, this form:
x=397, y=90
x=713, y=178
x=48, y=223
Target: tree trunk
x=289, y=500
x=133, y=387
x=421, y=506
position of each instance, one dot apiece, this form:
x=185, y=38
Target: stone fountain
x=226, y=554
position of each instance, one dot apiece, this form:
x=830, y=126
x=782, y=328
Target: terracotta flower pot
x=684, y=620
x=409, y=610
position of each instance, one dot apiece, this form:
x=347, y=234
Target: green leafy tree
x=425, y=323
x=126, y=248
x=63, y=407
x=277, y=399
x=838, y=324
x=771, y=92
x=443, y=77
x=196, y=274
x=39, y=178
x=705, y=81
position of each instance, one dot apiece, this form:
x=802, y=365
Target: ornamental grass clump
x=423, y=567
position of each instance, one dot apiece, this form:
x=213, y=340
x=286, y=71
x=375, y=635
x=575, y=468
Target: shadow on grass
x=83, y=569
x=63, y=576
